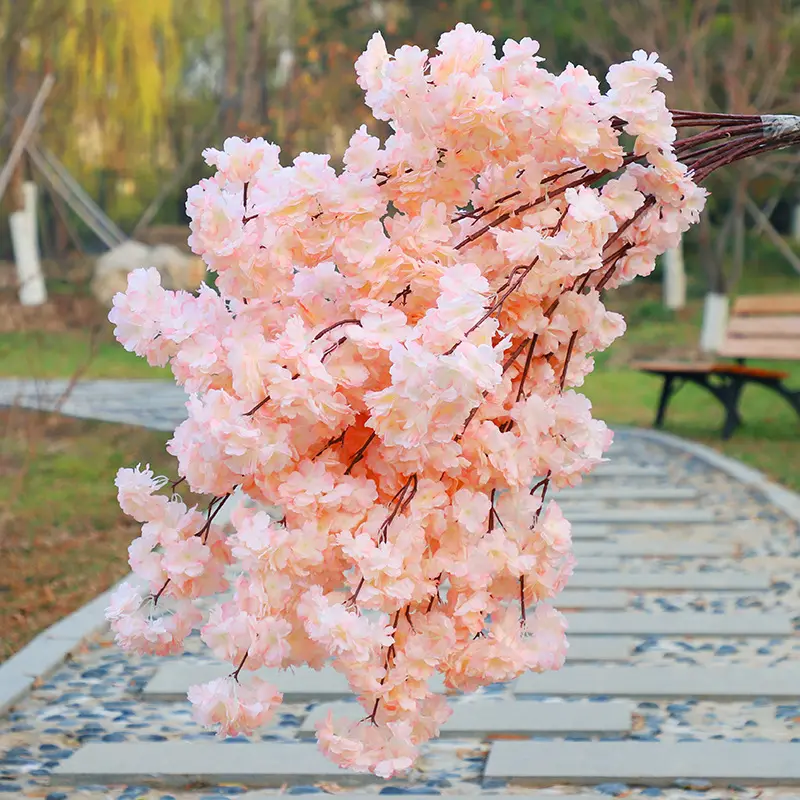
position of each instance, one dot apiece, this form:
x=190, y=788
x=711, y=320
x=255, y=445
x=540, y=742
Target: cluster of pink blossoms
x=390, y=360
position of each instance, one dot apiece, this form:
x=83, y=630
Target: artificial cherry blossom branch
x=304, y=251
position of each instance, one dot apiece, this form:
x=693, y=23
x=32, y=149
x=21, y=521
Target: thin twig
x=256, y=407
x=360, y=453
x=235, y=675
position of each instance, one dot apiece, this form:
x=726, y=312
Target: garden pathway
x=683, y=679
x=153, y=404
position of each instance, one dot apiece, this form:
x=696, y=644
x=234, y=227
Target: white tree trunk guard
x=715, y=320
x=32, y=290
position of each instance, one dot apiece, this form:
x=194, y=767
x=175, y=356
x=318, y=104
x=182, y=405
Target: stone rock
x=178, y=270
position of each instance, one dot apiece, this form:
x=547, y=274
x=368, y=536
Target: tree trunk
x=674, y=278
x=230, y=94
x=715, y=307
x=738, y=249
x=796, y=222
x=712, y=262
x=251, y=111
x=15, y=117
x=282, y=42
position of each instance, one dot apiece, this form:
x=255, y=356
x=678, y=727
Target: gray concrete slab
x=627, y=470
x=48, y=651
x=645, y=763
x=591, y=599
x=298, y=685
x=182, y=763
x=635, y=546
x=678, y=623
x=599, y=648
x=590, y=531
x=734, y=682
x=13, y=689
x=670, y=581
x=301, y=685
x=658, y=492
x=643, y=515
x=486, y=718
x=547, y=795
x=598, y=564
x=785, y=499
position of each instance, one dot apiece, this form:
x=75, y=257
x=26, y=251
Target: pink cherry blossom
x=125, y=601
x=136, y=493
x=385, y=382
x=232, y=707
x=185, y=559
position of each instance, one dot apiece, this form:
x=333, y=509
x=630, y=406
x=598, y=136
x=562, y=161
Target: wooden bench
x=761, y=326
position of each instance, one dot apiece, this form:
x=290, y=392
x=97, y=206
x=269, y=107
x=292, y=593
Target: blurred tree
x=735, y=56
x=139, y=84
x=116, y=64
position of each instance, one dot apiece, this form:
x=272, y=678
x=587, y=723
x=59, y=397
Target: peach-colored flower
x=387, y=373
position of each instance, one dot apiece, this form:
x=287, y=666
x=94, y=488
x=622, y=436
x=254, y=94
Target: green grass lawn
x=63, y=538
x=37, y=354
x=769, y=439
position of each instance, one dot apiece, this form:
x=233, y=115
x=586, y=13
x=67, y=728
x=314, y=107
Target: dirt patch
x=60, y=313
x=63, y=539
x=70, y=306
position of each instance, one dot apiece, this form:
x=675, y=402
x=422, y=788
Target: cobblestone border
x=49, y=650
x=785, y=499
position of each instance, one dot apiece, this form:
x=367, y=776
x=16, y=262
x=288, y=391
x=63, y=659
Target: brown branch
x=329, y=350
x=353, y=597
x=235, y=675
x=497, y=304
x=435, y=596
x=157, y=595
x=407, y=501
x=490, y=525
x=401, y=295
x=331, y=442
x=613, y=261
x=567, y=359
x=204, y=531
x=400, y=504
x=718, y=133
x=541, y=483
x=713, y=118
x=245, y=218
x=526, y=368
x=256, y=407
x=336, y=325
x=360, y=453
x=650, y=201
x=527, y=206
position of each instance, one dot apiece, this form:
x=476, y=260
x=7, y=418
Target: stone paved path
x=153, y=404
x=94, y=705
